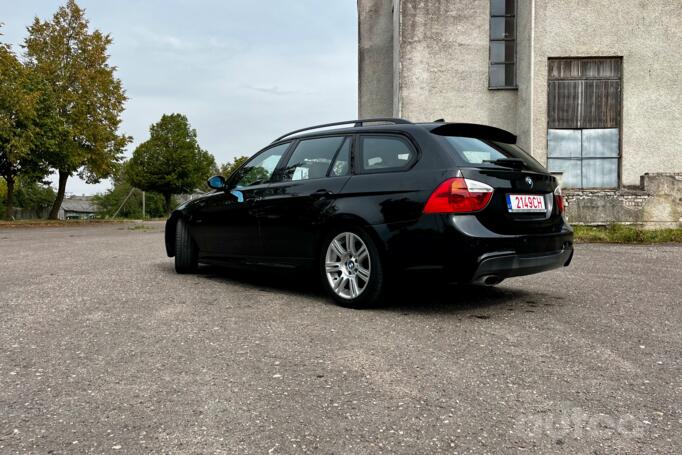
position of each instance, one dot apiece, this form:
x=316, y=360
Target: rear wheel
x=351, y=268
x=185, y=249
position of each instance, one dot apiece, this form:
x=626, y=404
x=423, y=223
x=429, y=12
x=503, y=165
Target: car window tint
x=384, y=153
x=260, y=168
x=341, y=165
x=312, y=158
x=481, y=151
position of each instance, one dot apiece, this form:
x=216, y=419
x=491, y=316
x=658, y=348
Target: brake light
x=459, y=195
x=559, y=200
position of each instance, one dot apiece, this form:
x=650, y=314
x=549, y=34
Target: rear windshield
x=487, y=153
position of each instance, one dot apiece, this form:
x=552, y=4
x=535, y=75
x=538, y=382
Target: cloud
x=242, y=72
x=148, y=37
x=274, y=90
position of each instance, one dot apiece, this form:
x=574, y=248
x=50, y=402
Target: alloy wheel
x=347, y=265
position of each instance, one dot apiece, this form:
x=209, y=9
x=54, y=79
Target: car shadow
x=427, y=298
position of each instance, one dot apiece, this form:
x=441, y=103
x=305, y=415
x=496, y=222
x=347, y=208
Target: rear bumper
x=494, y=267
x=460, y=249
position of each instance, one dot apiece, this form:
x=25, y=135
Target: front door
x=226, y=226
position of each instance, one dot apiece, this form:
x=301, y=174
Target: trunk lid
x=489, y=155
x=506, y=181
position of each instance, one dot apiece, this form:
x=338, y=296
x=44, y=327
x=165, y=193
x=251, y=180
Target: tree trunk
x=167, y=201
x=54, y=212
x=9, y=202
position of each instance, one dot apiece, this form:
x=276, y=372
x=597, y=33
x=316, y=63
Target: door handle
x=319, y=194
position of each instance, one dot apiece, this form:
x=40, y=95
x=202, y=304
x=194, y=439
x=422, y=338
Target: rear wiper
x=515, y=163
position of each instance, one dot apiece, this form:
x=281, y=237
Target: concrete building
x=591, y=88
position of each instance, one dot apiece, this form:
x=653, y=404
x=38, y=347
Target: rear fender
x=349, y=220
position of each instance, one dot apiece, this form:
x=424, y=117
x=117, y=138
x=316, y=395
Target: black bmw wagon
x=365, y=204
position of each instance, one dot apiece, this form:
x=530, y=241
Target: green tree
x=88, y=98
x=29, y=195
x=170, y=161
x=34, y=196
x=228, y=168
x=19, y=132
x=110, y=201
x=129, y=199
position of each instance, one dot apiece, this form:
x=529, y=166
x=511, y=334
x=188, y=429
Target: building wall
x=654, y=204
x=375, y=58
x=648, y=35
x=440, y=68
x=444, y=64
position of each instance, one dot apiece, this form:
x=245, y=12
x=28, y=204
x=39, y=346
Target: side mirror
x=216, y=182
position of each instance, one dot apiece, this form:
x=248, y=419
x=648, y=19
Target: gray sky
x=242, y=71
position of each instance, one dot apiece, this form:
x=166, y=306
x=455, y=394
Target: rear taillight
x=559, y=200
x=459, y=195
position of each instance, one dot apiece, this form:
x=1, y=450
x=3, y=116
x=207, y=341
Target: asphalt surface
x=104, y=349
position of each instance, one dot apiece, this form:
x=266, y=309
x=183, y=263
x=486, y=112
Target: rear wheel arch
x=340, y=221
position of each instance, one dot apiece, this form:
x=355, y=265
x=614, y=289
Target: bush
x=619, y=233
x=31, y=196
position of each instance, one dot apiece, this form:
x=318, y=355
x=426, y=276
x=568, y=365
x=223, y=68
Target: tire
x=345, y=280
x=185, y=249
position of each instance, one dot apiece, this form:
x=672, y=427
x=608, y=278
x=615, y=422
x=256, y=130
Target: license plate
x=526, y=203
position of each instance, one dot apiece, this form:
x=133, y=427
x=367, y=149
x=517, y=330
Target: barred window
x=502, y=73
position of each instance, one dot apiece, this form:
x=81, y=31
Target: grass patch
x=618, y=233
x=141, y=227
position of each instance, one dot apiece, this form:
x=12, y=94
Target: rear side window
x=312, y=158
x=384, y=153
x=487, y=153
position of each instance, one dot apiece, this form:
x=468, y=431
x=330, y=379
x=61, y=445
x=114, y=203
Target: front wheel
x=351, y=268
x=186, y=251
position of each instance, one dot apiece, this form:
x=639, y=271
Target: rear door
x=302, y=194
x=523, y=201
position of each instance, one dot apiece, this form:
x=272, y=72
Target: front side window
x=384, y=153
x=502, y=73
x=260, y=168
x=313, y=158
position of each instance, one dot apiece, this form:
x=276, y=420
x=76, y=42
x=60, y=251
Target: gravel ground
x=104, y=349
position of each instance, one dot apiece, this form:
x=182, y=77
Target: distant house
x=77, y=208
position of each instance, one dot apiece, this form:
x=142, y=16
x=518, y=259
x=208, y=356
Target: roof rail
x=356, y=123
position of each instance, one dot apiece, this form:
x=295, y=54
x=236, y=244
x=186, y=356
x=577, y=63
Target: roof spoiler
x=476, y=131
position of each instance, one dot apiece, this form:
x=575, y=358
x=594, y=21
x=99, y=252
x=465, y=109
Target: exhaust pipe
x=488, y=280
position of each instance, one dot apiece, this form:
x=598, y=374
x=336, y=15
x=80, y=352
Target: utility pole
x=143, y=206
